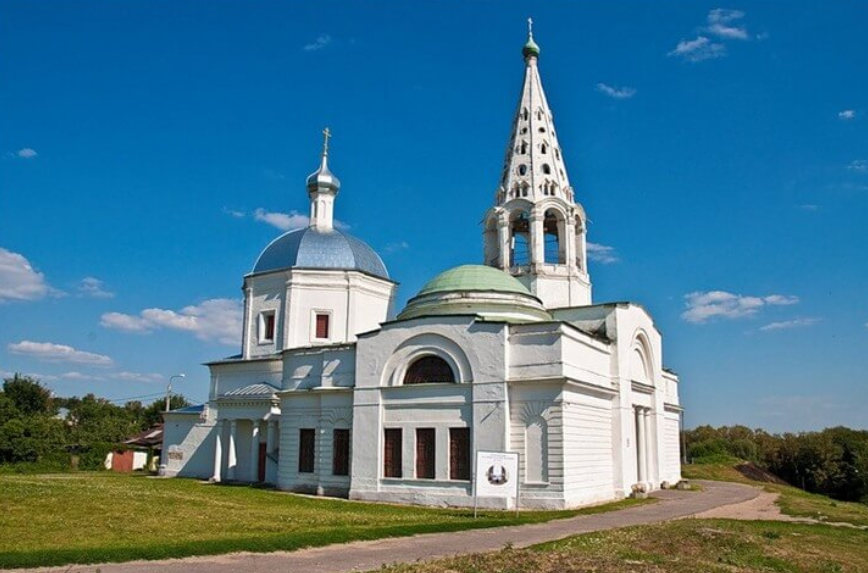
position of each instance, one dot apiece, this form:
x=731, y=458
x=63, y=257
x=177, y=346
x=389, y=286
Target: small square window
x=266, y=327
x=322, y=326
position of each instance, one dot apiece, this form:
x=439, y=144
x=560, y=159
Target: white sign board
x=496, y=474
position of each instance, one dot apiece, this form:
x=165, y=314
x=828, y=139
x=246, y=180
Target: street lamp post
x=169, y=388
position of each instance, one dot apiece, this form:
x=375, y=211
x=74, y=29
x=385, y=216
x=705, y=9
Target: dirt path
x=762, y=507
x=371, y=555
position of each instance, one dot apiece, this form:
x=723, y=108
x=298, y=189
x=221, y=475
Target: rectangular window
x=459, y=453
x=322, y=326
x=306, y=450
x=392, y=462
x=341, y=452
x=266, y=327
x=425, y=453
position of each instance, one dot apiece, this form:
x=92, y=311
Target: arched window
x=553, y=231
x=543, y=148
x=524, y=114
x=547, y=169
x=557, y=154
x=519, y=238
x=429, y=370
x=522, y=169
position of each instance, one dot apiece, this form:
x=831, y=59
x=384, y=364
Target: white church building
x=334, y=393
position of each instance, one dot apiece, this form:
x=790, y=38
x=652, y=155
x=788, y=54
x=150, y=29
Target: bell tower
x=536, y=231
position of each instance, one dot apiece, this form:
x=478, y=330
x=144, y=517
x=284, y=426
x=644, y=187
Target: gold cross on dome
x=326, y=134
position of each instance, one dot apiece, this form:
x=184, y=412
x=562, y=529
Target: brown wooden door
x=425, y=453
x=392, y=462
x=459, y=453
x=123, y=461
x=262, y=461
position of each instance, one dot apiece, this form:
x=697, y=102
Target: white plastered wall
x=354, y=301
x=560, y=377
x=478, y=400
x=322, y=410
x=188, y=445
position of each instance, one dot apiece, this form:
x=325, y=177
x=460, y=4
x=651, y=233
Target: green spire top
x=530, y=48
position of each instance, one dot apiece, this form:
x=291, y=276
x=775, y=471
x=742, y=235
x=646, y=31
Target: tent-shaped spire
x=534, y=166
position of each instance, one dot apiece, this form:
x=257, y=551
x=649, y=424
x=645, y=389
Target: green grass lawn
x=695, y=546
x=792, y=501
x=684, y=546
x=59, y=519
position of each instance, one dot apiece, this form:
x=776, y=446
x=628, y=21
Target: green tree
x=153, y=413
x=29, y=395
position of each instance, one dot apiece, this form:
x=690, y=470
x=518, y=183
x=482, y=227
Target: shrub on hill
x=832, y=462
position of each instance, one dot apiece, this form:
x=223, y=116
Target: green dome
x=473, y=278
x=530, y=49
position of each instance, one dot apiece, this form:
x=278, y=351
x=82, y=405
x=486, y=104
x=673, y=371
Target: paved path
x=370, y=555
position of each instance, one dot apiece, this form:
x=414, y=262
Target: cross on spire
x=326, y=135
x=530, y=28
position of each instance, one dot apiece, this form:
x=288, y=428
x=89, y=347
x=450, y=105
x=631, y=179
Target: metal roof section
x=197, y=409
x=478, y=290
x=259, y=390
x=312, y=248
x=474, y=278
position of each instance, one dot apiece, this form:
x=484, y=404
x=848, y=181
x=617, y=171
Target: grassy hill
x=792, y=501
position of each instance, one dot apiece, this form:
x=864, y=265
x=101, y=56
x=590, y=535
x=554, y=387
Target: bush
x=92, y=457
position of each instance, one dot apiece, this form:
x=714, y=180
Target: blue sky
x=150, y=150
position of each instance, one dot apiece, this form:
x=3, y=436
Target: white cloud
x=321, y=42
x=397, y=246
x=138, y=376
x=26, y=153
x=781, y=299
x=723, y=23
x=698, y=50
x=616, y=92
x=787, y=324
x=215, y=319
x=93, y=287
x=19, y=281
x=859, y=165
x=234, y=213
x=50, y=352
x=283, y=221
x=111, y=376
x=125, y=322
x=602, y=253
x=847, y=114
x=704, y=306
x=289, y=221
x=80, y=377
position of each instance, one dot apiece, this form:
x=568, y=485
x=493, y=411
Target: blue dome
x=312, y=249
